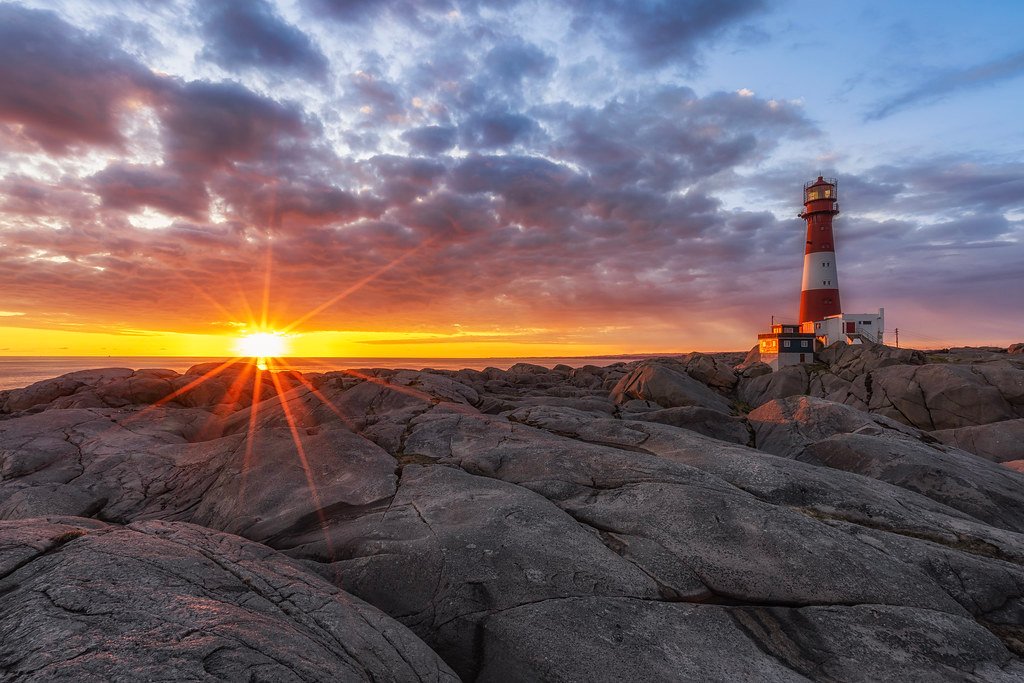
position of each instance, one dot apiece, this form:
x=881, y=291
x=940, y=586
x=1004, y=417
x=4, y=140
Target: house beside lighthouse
x=821, y=320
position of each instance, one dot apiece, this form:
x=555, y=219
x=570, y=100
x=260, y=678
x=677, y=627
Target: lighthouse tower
x=819, y=294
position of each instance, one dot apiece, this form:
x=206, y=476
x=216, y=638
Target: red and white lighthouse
x=819, y=294
x=822, y=321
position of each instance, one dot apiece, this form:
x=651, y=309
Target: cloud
x=512, y=62
x=496, y=129
x=128, y=187
x=661, y=138
x=208, y=125
x=950, y=82
x=60, y=84
x=430, y=139
x=251, y=34
x=377, y=98
x=656, y=33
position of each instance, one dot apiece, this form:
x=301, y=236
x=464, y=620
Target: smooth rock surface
x=996, y=441
x=669, y=385
x=168, y=601
x=535, y=523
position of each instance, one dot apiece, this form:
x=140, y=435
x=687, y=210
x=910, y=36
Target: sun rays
x=261, y=370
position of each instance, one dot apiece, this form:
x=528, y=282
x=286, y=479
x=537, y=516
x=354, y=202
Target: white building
x=852, y=328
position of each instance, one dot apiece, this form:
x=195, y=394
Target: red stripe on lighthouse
x=818, y=304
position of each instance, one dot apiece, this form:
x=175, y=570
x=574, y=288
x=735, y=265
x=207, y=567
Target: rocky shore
x=689, y=518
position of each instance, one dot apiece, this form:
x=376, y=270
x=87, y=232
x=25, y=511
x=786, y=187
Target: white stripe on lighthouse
x=820, y=271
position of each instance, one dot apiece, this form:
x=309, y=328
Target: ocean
x=20, y=371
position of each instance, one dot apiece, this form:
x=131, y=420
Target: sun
x=263, y=345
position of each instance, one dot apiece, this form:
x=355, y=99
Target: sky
x=446, y=178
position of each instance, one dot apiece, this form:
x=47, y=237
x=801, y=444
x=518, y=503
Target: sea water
x=20, y=371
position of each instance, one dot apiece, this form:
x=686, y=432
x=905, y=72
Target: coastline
x=20, y=371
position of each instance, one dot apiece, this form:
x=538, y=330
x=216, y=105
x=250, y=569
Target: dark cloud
x=971, y=229
x=62, y=85
x=208, y=125
x=534, y=189
x=656, y=33
x=400, y=180
x=514, y=61
x=294, y=206
x=949, y=82
x=670, y=136
x=418, y=13
x=430, y=139
x=128, y=188
x=349, y=11
x=250, y=33
x=951, y=181
x=496, y=129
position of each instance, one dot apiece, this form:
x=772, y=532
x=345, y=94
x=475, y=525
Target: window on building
x=786, y=343
x=865, y=322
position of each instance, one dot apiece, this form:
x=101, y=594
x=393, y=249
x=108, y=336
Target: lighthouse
x=822, y=321
x=819, y=292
